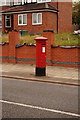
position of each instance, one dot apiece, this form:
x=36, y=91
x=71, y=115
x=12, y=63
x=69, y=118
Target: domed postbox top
x=41, y=38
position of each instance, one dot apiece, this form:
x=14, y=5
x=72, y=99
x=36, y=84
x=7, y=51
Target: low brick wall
x=5, y=53
x=56, y=56
x=66, y=57
x=69, y=57
x=26, y=54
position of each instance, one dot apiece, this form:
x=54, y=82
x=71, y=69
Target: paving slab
x=54, y=74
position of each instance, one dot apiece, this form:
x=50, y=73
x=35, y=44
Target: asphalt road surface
x=27, y=99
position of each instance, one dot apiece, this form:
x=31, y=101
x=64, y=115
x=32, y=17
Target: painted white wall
x=40, y=1
x=7, y=2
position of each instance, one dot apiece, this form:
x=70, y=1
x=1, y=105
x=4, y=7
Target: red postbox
x=40, y=56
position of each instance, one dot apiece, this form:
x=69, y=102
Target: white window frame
x=5, y=2
x=42, y=1
x=37, y=19
x=1, y=21
x=22, y=19
x=9, y=19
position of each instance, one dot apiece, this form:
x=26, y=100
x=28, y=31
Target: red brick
x=50, y=20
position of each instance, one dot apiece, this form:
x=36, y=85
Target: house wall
x=65, y=17
x=60, y=23
x=31, y=28
x=4, y=7
x=48, y=22
x=51, y=21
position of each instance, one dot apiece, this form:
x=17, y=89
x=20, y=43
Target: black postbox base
x=40, y=71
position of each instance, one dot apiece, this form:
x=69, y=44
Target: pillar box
x=40, y=56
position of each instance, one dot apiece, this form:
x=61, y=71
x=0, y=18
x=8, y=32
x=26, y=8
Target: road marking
x=41, y=108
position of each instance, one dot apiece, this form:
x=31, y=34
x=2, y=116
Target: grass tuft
x=4, y=38
x=60, y=39
x=67, y=39
x=28, y=38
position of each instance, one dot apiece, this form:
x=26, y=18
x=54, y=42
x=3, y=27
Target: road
x=26, y=99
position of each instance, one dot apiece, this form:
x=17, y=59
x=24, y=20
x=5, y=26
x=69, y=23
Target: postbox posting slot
x=43, y=44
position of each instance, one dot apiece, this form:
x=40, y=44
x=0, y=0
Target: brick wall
x=62, y=22
x=4, y=7
x=65, y=17
x=5, y=53
x=58, y=56
x=65, y=57
x=48, y=22
x=3, y=23
x=27, y=54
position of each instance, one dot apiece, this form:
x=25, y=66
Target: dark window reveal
x=8, y=21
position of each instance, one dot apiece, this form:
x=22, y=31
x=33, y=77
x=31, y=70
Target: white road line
x=41, y=108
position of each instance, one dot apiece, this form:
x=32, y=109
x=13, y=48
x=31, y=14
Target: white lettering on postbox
x=43, y=49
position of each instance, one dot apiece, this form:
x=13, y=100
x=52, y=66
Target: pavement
x=54, y=74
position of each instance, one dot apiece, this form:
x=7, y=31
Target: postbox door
x=43, y=55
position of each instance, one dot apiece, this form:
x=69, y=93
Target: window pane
x=8, y=16
x=20, y=19
x=8, y=22
x=35, y=18
x=24, y=19
x=0, y=21
x=39, y=18
x=29, y=1
x=19, y=1
x=44, y=0
x=39, y=0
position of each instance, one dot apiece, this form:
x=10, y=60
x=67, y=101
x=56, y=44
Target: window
x=8, y=20
x=22, y=19
x=36, y=18
x=39, y=1
x=5, y=2
x=18, y=2
x=0, y=21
